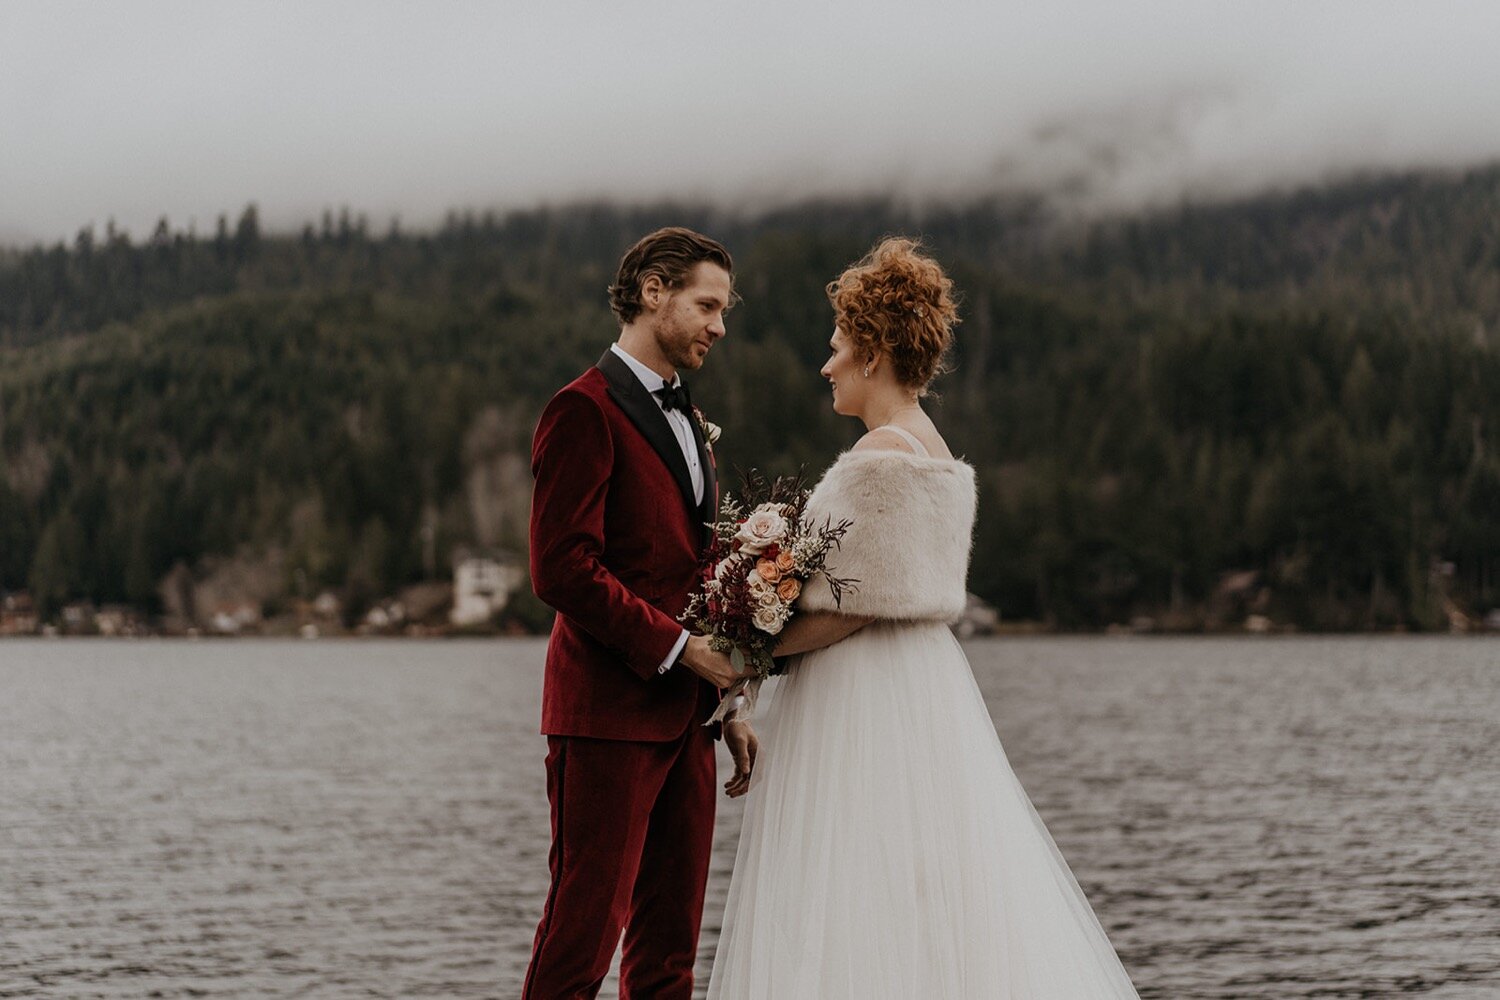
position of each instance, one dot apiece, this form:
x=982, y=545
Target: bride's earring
x=867, y=371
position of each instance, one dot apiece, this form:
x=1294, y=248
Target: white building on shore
x=483, y=581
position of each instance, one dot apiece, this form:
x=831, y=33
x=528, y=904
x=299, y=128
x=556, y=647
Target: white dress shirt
x=683, y=429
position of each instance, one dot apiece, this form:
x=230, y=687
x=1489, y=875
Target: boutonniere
x=711, y=430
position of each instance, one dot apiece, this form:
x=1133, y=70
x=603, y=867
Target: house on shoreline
x=483, y=582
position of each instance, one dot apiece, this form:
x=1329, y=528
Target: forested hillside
x=1286, y=406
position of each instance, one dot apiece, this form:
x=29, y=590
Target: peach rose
x=769, y=569
x=788, y=588
x=785, y=562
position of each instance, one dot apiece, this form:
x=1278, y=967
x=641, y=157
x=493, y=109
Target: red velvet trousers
x=632, y=827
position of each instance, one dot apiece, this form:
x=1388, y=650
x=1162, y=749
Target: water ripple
x=1278, y=818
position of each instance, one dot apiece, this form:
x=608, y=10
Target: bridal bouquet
x=762, y=553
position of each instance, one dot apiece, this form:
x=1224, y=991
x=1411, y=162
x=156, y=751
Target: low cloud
x=189, y=110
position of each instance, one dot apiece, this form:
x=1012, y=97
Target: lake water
x=1251, y=818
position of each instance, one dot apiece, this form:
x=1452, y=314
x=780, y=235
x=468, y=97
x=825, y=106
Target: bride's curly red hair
x=898, y=302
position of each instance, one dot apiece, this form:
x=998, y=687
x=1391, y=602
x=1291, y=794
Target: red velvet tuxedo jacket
x=616, y=539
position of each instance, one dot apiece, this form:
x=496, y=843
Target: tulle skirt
x=888, y=850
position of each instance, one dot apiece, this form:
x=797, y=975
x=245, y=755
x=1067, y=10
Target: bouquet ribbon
x=738, y=703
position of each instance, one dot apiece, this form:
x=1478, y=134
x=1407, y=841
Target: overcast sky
x=135, y=110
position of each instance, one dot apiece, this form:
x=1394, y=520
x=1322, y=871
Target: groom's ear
x=652, y=291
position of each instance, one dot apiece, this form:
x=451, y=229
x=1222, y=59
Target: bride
x=889, y=850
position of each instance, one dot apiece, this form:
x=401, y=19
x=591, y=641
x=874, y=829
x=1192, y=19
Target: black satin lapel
x=706, y=510
x=643, y=411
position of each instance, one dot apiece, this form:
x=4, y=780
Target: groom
x=624, y=485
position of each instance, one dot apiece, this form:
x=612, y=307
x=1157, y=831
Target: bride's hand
x=743, y=746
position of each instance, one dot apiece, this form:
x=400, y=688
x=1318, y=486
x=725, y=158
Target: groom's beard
x=675, y=340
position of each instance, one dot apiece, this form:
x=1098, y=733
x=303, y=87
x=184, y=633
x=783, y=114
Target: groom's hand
x=710, y=664
x=743, y=746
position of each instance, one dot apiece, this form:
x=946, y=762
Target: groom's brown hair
x=669, y=254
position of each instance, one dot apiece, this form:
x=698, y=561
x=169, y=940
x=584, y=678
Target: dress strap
x=917, y=445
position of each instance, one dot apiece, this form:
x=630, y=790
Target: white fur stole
x=908, y=545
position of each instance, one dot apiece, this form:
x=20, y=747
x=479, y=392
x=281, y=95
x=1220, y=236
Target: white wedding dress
x=887, y=848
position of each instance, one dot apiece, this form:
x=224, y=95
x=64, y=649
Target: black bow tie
x=674, y=397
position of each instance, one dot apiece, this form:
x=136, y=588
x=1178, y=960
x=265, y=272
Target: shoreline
x=998, y=634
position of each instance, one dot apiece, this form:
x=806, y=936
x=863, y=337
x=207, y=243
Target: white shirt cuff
x=672, y=656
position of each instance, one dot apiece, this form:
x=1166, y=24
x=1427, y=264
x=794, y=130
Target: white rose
x=759, y=588
x=764, y=526
x=768, y=619
x=725, y=568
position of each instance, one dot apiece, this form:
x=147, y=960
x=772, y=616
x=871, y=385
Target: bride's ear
x=872, y=364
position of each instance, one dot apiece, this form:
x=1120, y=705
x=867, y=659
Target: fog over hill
x=178, y=109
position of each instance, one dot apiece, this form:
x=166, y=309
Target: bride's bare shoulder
x=883, y=439
x=886, y=439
